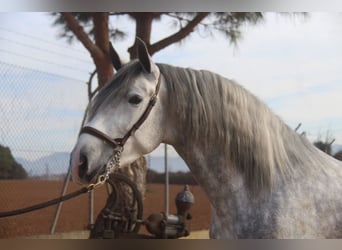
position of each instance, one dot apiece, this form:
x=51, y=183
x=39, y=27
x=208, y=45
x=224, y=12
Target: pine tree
x=9, y=168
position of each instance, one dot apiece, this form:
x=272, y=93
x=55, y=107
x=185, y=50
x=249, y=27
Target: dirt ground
x=75, y=213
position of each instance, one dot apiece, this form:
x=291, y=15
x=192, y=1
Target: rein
x=53, y=201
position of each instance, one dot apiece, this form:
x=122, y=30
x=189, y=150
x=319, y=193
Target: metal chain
x=113, y=163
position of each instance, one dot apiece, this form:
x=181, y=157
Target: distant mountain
x=53, y=164
x=58, y=163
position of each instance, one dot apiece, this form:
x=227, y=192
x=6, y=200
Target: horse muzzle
x=81, y=171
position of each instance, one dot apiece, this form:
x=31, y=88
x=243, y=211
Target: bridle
x=118, y=143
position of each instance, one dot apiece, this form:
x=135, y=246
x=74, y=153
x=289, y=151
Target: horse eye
x=135, y=99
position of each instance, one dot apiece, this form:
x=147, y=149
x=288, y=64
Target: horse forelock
x=215, y=111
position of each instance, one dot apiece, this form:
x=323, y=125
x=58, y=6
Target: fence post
x=59, y=206
x=91, y=210
x=166, y=170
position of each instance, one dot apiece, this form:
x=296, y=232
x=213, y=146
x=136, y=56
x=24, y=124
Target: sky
x=292, y=64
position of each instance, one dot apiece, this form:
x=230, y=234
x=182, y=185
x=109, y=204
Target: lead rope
x=112, y=164
x=53, y=201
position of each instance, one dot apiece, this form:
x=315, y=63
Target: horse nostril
x=82, y=166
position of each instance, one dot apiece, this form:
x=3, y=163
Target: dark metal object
x=184, y=201
x=122, y=216
x=167, y=226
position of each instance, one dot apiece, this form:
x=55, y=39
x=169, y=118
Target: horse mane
x=217, y=111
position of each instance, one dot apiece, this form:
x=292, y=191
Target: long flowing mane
x=215, y=110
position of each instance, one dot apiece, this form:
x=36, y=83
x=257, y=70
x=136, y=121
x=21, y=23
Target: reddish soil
x=74, y=214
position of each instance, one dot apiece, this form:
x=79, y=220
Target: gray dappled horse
x=263, y=180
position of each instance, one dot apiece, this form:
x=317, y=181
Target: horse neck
x=246, y=138
x=222, y=182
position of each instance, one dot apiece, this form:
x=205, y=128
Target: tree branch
x=101, y=33
x=179, y=35
x=82, y=36
x=99, y=50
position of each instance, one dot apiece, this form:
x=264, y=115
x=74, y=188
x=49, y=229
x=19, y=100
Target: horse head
x=124, y=116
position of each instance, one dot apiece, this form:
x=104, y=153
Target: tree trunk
x=142, y=30
x=102, y=60
x=99, y=50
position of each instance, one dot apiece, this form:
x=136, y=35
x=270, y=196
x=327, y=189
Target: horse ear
x=143, y=55
x=114, y=57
